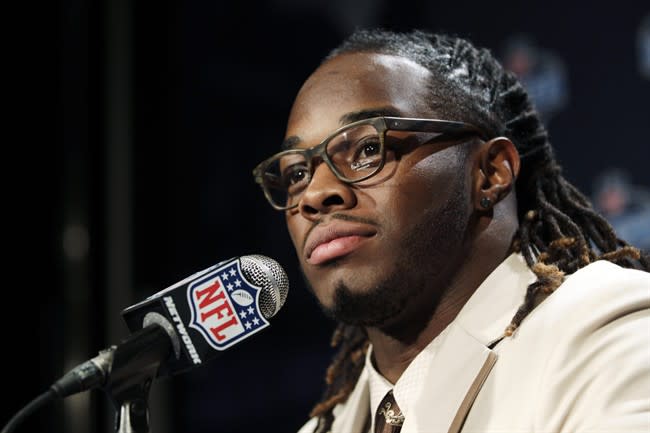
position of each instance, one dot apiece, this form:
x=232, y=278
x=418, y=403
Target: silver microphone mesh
x=266, y=273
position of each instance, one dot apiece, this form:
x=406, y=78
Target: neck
x=394, y=347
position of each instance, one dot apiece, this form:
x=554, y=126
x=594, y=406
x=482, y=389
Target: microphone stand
x=133, y=367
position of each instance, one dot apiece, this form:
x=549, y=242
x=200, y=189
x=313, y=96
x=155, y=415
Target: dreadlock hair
x=559, y=231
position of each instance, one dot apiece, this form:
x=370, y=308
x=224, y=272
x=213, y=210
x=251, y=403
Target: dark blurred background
x=136, y=127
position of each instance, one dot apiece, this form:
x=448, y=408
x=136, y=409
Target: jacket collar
x=490, y=309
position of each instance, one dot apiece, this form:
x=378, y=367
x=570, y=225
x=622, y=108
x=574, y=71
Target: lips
x=334, y=240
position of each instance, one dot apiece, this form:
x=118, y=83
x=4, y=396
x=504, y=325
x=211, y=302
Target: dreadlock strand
x=526, y=119
x=327, y=405
x=553, y=194
x=523, y=309
x=599, y=239
x=549, y=278
x=594, y=222
x=513, y=96
x=569, y=224
x=558, y=247
x=524, y=236
x=533, y=225
x=552, y=224
x=337, y=335
x=577, y=194
x=626, y=252
x=324, y=421
x=343, y=372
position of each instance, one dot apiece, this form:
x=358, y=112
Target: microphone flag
x=224, y=306
x=209, y=311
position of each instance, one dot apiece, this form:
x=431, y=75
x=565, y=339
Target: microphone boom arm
x=134, y=366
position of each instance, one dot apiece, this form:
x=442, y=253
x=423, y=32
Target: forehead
x=355, y=82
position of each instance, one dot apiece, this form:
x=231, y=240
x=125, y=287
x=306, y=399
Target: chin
x=368, y=306
x=334, y=295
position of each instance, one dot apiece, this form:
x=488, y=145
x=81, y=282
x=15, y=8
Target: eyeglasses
x=354, y=153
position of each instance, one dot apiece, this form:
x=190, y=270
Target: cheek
x=438, y=166
x=432, y=179
x=293, y=228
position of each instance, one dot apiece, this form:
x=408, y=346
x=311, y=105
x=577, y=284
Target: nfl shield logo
x=224, y=306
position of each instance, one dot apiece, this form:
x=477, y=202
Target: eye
x=367, y=154
x=294, y=175
x=369, y=149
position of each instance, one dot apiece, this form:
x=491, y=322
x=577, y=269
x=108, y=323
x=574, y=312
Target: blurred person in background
x=625, y=205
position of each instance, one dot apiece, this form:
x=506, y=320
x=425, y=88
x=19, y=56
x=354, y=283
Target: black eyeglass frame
x=381, y=124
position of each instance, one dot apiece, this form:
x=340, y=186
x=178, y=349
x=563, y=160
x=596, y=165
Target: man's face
x=385, y=248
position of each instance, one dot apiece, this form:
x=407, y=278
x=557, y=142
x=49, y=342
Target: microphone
x=187, y=324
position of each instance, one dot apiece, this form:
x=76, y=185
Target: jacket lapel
x=457, y=373
x=347, y=419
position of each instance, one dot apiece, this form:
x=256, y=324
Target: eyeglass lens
x=354, y=153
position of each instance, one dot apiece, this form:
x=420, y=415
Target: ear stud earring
x=486, y=203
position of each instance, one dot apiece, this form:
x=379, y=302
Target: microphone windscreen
x=267, y=274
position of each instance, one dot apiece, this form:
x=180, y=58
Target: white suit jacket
x=580, y=362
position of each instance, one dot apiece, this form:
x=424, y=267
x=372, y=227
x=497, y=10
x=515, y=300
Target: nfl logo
x=224, y=306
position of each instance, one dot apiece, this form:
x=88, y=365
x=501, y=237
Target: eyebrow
x=389, y=111
x=290, y=142
x=369, y=113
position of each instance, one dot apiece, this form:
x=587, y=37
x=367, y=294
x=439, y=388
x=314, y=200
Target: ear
x=497, y=169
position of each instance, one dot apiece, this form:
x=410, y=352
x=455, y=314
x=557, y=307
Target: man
x=475, y=288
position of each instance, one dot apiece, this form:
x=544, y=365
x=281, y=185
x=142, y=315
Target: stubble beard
x=422, y=263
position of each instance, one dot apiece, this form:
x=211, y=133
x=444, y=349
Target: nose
x=325, y=194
